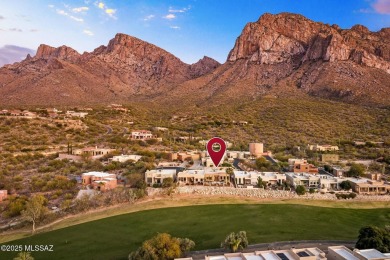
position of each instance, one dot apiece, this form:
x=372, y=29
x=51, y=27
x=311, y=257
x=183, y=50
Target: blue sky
x=188, y=29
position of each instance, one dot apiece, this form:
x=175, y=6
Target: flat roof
x=345, y=253
x=269, y=255
x=285, y=254
x=371, y=253
x=110, y=179
x=194, y=171
x=314, y=250
x=219, y=257
x=98, y=174
x=127, y=155
x=162, y=171
x=253, y=257
x=256, y=174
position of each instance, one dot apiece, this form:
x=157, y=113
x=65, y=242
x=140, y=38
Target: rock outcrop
x=288, y=55
x=63, y=53
x=295, y=39
x=203, y=66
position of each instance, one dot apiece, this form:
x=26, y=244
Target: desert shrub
x=346, y=196
x=300, y=190
x=15, y=206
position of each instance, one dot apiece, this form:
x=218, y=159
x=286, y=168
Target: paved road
x=322, y=171
x=271, y=159
x=235, y=164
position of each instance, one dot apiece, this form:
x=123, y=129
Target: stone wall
x=259, y=193
x=256, y=193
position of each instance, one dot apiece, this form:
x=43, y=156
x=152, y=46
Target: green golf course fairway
x=115, y=237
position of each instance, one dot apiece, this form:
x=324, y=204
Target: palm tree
x=24, y=256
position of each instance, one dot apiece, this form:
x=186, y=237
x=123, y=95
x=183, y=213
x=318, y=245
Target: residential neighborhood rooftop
x=371, y=254
x=97, y=174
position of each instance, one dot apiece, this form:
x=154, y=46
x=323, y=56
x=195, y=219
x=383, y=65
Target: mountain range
x=282, y=55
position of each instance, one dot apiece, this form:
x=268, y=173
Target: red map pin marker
x=216, y=147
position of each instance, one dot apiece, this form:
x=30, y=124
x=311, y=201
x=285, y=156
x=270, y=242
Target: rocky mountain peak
x=44, y=51
x=126, y=46
x=360, y=28
x=63, y=53
x=203, y=66
x=294, y=39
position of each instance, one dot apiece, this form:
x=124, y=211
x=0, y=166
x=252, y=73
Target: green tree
x=35, y=210
x=375, y=167
x=229, y=171
x=235, y=242
x=167, y=182
x=346, y=185
x=15, y=206
x=24, y=256
x=374, y=237
x=300, y=190
x=261, y=183
x=186, y=245
x=356, y=170
x=163, y=246
x=140, y=184
x=140, y=190
x=133, y=178
x=262, y=164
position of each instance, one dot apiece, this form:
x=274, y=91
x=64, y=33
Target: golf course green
x=207, y=225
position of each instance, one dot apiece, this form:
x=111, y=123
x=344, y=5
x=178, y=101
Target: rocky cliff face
x=64, y=53
x=289, y=55
x=125, y=68
x=278, y=55
x=295, y=39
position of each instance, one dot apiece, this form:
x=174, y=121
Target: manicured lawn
x=115, y=237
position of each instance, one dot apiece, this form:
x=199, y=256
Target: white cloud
x=51, y=6
x=88, y=32
x=169, y=16
x=183, y=10
x=15, y=30
x=382, y=6
x=148, y=17
x=110, y=12
x=80, y=20
x=101, y=5
x=175, y=27
x=80, y=9
x=62, y=12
